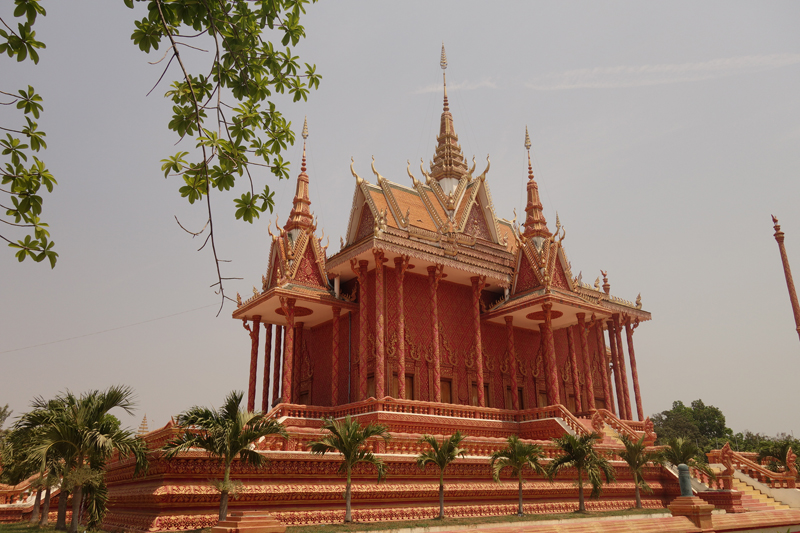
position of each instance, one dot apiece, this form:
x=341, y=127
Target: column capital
x=509, y=319
x=580, y=316
x=547, y=306
x=337, y=311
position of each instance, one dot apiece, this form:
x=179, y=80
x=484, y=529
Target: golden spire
x=448, y=161
x=143, y=430
x=300, y=216
x=535, y=223
x=443, y=64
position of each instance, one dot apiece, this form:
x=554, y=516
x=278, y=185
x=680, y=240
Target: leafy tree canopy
x=223, y=109
x=23, y=176
x=5, y=412
x=700, y=423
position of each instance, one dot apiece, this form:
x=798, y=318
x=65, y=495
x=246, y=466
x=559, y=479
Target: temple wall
x=419, y=333
x=456, y=349
x=320, y=344
x=455, y=317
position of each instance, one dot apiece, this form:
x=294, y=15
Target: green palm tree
x=225, y=433
x=638, y=456
x=441, y=455
x=350, y=439
x=684, y=451
x=19, y=464
x=517, y=455
x=579, y=453
x=81, y=432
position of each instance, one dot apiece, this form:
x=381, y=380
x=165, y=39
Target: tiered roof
x=445, y=218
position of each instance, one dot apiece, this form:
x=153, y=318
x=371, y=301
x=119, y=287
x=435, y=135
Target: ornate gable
x=526, y=279
x=366, y=223
x=308, y=271
x=559, y=277
x=476, y=223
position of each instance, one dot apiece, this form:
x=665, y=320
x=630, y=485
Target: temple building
x=435, y=315
x=433, y=297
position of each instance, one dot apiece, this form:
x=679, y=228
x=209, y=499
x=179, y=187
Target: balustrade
x=754, y=470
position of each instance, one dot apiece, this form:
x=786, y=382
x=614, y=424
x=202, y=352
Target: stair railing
x=618, y=425
x=754, y=470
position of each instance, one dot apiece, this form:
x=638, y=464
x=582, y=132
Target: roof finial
x=305, y=136
x=535, y=223
x=300, y=216
x=443, y=64
x=528, y=148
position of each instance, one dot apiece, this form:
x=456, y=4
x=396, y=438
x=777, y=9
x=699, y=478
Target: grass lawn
x=25, y=527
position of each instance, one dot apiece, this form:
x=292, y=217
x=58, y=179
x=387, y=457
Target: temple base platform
x=296, y=487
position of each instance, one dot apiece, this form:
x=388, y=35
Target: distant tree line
x=704, y=425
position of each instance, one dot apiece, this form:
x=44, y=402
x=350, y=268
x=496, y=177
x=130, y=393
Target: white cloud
x=639, y=76
x=463, y=86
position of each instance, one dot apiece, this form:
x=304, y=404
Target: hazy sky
x=664, y=134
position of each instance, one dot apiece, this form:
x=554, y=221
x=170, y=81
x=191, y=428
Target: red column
x=634, y=373
x=276, y=376
x=400, y=265
x=573, y=361
x=553, y=394
x=587, y=363
x=298, y=360
x=380, y=361
x=787, y=272
x=612, y=340
x=512, y=361
x=605, y=369
x=434, y=277
x=363, y=327
x=626, y=394
x=478, y=284
x=287, y=304
x=335, y=357
x=265, y=384
x=251, y=383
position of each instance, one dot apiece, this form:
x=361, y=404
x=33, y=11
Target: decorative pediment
x=542, y=262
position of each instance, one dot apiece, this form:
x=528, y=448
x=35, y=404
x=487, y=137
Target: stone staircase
x=755, y=500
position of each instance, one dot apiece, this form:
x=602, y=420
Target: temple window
x=600, y=403
x=370, y=385
x=446, y=386
x=474, y=394
x=542, y=398
x=409, y=386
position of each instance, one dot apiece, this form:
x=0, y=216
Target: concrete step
x=249, y=522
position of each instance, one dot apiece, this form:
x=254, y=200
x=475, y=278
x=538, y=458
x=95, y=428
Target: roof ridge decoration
x=300, y=216
x=535, y=223
x=448, y=161
x=362, y=187
x=383, y=183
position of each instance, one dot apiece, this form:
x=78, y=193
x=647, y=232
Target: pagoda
x=435, y=315
x=432, y=297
